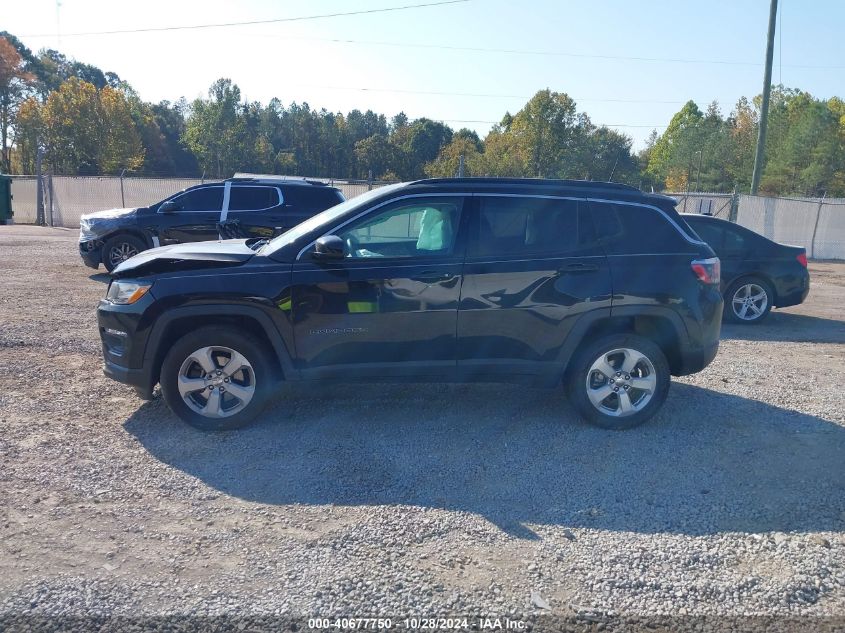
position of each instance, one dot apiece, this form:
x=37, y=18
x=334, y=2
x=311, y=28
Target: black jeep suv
x=242, y=207
x=595, y=285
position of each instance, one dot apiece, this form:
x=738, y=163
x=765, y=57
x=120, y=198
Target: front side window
x=252, y=198
x=421, y=227
x=525, y=226
x=203, y=199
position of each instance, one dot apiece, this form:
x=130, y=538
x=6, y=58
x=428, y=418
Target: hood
x=186, y=257
x=108, y=214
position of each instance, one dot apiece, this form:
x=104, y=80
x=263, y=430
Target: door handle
x=578, y=268
x=432, y=276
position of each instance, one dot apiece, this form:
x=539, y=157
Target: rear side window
x=736, y=241
x=203, y=199
x=525, y=226
x=709, y=232
x=630, y=230
x=310, y=199
x=252, y=198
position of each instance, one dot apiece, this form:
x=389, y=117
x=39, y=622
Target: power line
x=475, y=49
x=514, y=51
x=253, y=22
x=476, y=94
x=595, y=124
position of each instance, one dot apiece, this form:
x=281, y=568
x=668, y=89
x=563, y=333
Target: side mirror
x=168, y=207
x=330, y=247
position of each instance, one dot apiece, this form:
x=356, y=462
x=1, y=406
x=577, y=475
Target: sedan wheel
x=749, y=302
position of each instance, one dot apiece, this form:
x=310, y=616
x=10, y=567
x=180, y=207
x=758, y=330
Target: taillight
x=708, y=271
x=802, y=259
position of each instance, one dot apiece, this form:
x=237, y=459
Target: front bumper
x=123, y=333
x=139, y=379
x=91, y=253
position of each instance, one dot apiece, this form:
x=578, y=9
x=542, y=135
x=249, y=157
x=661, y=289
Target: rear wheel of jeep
x=119, y=248
x=215, y=379
x=619, y=382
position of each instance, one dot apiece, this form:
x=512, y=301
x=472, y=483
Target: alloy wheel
x=216, y=381
x=749, y=302
x=621, y=382
x=121, y=252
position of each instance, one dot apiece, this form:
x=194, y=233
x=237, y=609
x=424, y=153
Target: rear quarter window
x=630, y=230
x=310, y=199
x=252, y=198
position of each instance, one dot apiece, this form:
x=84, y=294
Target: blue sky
x=296, y=61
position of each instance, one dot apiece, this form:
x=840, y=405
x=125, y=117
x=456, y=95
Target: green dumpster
x=5, y=199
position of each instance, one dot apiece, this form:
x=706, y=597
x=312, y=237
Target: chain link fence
x=66, y=198
x=816, y=224
x=718, y=205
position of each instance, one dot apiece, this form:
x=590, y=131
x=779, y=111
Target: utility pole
x=698, y=177
x=764, y=108
x=39, y=185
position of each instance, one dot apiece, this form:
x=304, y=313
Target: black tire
x=733, y=310
x=179, y=360
x=119, y=248
x=580, y=371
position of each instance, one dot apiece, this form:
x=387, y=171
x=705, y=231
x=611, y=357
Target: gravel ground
x=420, y=500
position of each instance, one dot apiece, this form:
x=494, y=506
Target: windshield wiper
x=259, y=244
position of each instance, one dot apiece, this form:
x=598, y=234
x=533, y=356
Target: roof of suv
x=538, y=182
x=588, y=187
x=270, y=179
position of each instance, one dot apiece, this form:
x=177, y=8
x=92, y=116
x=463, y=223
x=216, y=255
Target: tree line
x=86, y=121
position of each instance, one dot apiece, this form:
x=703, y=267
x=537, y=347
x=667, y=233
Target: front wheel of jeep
x=215, y=379
x=619, y=381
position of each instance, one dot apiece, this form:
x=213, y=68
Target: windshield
x=325, y=218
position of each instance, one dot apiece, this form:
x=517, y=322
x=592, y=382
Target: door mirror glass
x=168, y=207
x=330, y=247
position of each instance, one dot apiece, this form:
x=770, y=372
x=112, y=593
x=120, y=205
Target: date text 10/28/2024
x=419, y=624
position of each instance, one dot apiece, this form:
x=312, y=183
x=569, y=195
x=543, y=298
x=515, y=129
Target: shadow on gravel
x=708, y=463
x=103, y=278
x=790, y=327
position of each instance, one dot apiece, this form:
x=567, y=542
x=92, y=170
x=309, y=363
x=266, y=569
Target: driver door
x=390, y=306
x=195, y=217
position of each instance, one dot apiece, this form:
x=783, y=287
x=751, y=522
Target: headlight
x=85, y=232
x=126, y=292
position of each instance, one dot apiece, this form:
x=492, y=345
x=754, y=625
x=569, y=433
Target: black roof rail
x=585, y=184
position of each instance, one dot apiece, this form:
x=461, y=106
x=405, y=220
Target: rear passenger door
x=533, y=266
x=256, y=208
x=736, y=255
x=649, y=256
